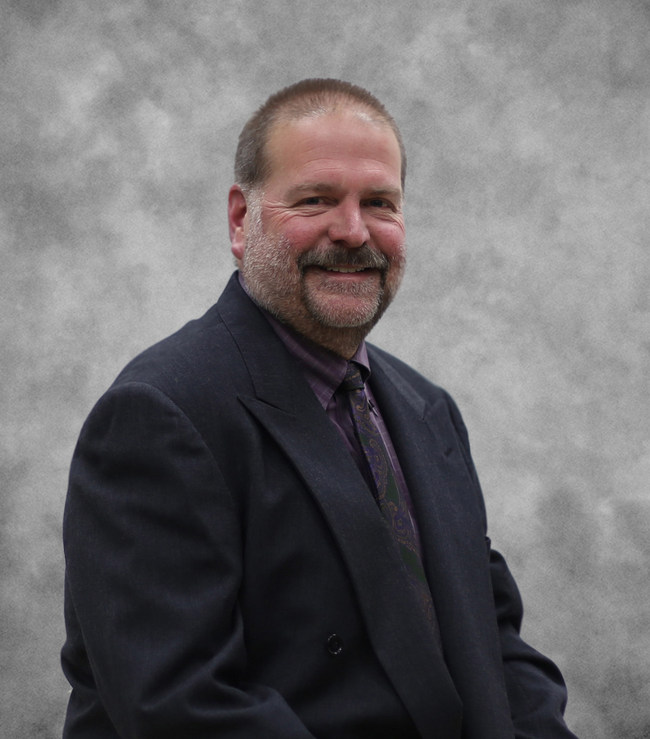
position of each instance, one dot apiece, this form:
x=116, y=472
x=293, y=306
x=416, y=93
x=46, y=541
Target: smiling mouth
x=346, y=270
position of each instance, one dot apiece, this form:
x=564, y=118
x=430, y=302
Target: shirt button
x=335, y=645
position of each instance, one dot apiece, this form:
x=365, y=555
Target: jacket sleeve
x=536, y=690
x=155, y=639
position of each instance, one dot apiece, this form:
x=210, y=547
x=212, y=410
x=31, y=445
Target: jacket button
x=334, y=645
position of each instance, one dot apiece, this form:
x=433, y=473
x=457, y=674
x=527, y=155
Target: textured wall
x=528, y=127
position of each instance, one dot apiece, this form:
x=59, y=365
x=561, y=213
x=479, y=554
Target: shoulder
x=205, y=355
x=402, y=373
x=180, y=377
x=413, y=384
x=182, y=357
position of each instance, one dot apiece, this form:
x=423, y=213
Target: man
x=274, y=529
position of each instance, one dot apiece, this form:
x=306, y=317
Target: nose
x=348, y=226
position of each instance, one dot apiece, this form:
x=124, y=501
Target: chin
x=352, y=315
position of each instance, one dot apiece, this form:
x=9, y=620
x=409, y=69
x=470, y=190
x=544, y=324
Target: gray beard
x=272, y=282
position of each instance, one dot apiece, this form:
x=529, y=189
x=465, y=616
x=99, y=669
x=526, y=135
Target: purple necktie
x=387, y=493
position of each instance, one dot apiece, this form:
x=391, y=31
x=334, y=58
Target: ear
x=237, y=209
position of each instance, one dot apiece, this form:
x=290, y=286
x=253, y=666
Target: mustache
x=336, y=256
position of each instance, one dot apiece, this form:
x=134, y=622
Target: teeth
x=345, y=270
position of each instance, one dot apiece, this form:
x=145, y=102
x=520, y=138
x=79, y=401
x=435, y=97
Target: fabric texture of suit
x=230, y=575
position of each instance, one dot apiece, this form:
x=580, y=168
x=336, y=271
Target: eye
x=380, y=203
x=311, y=201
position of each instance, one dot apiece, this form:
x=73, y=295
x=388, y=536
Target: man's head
x=310, y=97
x=316, y=215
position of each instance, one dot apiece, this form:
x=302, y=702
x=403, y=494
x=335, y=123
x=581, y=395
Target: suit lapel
x=440, y=487
x=451, y=517
x=285, y=406
x=399, y=633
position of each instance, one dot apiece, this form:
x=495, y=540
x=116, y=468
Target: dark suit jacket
x=230, y=575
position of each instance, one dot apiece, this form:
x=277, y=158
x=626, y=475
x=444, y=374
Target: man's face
x=322, y=246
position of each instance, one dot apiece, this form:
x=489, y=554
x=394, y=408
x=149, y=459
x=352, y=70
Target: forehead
x=348, y=145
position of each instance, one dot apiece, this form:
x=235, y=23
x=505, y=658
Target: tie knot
x=353, y=379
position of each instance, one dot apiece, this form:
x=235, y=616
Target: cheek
x=302, y=236
x=392, y=243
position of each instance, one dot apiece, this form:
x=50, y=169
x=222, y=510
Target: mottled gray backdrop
x=528, y=129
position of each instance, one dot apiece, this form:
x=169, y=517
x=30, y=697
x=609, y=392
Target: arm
x=536, y=690
x=153, y=550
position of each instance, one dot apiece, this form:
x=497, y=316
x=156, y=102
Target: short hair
x=306, y=98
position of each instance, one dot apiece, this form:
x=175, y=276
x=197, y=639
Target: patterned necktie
x=387, y=493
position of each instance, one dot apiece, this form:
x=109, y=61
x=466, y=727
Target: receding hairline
x=360, y=113
x=328, y=103
x=309, y=98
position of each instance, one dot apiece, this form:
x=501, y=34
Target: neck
x=341, y=341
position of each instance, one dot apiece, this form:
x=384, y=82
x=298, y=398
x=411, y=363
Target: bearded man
x=273, y=528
